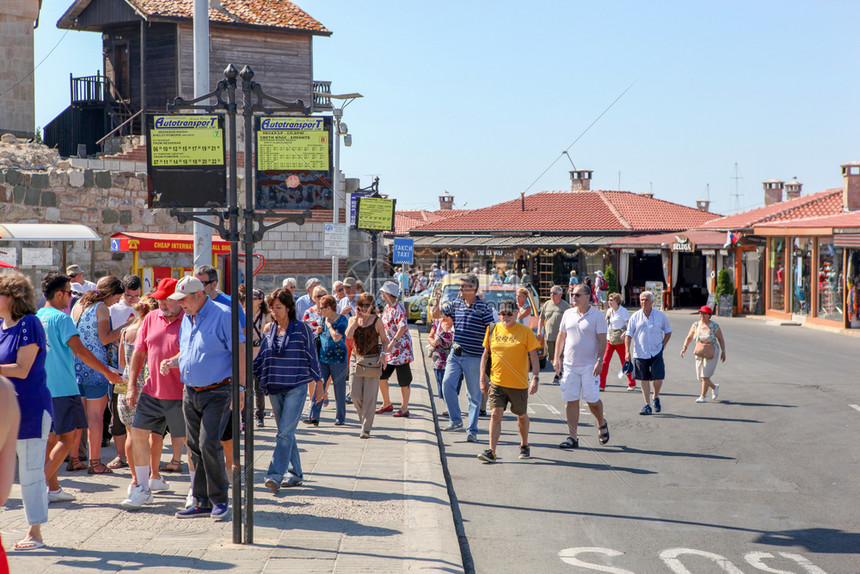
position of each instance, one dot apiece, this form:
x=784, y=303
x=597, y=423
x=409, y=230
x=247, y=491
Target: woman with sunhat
x=709, y=345
x=401, y=354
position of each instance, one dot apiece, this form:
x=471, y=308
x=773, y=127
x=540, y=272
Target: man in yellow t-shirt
x=509, y=345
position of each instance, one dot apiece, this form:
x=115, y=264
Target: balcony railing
x=321, y=102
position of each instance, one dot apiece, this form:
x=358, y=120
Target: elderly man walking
x=648, y=332
x=582, y=338
x=205, y=365
x=549, y=319
x=306, y=301
x=159, y=405
x=472, y=315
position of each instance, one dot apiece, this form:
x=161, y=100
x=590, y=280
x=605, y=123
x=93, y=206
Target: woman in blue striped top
x=286, y=363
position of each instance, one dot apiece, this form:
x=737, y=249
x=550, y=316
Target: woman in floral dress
x=398, y=359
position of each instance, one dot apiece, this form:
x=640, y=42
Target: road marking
x=855, y=407
x=530, y=410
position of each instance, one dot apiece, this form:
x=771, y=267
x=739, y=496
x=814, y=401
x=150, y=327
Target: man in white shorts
x=582, y=339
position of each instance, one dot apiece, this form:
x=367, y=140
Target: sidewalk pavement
x=377, y=505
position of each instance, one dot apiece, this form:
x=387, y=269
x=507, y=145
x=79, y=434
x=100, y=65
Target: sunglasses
x=577, y=294
x=210, y=282
x=365, y=306
x=506, y=313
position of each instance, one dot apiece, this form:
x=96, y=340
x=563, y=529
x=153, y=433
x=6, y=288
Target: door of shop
x=691, y=289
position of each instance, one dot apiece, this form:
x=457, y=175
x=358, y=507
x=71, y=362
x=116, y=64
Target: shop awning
x=510, y=242
x=171, y=242
x=46, y=232
x=678, y=241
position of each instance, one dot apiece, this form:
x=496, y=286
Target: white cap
x=391, y=288
x=186, y=286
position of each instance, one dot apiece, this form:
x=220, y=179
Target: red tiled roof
x=570, y=211
x=407, y=219
x=701, y=239
x=841, y=220
x=827, y=202
x=269, y=13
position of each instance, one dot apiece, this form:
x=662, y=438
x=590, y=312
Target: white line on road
x=855, y=407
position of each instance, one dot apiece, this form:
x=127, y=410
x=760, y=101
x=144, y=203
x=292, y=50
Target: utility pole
x=737, y=194
x=202, y=233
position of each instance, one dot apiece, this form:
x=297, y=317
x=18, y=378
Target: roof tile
x=592, y=210
x=827, y=202
x=269, y=13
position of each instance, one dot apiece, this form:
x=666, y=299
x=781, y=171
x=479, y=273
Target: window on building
x=777, y=273
x=830, y=280
x=801, y=275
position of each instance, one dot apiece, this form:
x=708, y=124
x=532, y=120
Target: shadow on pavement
x=632, y=450
x=112, y=561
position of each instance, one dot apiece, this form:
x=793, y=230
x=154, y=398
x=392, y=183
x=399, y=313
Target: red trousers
x=607, y=356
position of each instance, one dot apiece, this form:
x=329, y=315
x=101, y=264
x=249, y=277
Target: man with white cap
x=306, y=301
x=160, y=402
x=205, y=336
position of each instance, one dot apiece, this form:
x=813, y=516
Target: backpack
x=601, y=283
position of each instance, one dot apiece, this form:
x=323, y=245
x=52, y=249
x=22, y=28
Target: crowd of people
x=161, y=363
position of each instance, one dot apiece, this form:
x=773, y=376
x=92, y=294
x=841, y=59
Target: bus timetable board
x=294, y=169
x=375, y=214
x=186, y=161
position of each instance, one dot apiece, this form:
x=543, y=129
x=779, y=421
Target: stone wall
x=37, y=186
x=18, y=112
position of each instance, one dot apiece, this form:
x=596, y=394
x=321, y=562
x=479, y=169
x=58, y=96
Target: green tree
x=611, y=279
x=38, y=137
x=724, y=284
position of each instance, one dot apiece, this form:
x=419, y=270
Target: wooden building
x=147, y=48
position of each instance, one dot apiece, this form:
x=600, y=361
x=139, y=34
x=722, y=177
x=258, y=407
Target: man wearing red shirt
x=160, y=401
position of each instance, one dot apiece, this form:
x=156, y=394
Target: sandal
x=75, y=464
x=96, y=467
x=117, y=463
x=172, y=466
x=569, y=443
x=603, y=437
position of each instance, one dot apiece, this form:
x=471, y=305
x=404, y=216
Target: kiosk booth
x=136, y=243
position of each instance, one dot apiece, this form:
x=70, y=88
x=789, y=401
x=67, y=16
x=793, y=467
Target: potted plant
x=724, y=287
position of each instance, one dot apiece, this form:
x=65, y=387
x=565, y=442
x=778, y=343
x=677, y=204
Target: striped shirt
x=470, y=323
x=287, y=361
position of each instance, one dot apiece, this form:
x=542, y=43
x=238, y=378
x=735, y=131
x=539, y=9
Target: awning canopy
x=46, y=232
x=510, y=242
x=172, y=242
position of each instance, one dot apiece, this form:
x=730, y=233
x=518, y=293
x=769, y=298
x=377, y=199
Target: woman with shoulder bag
x=365, y=364
x=617, y=317
x=709, y=343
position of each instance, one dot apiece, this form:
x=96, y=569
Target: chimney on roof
x=792, y=189
x=580, y=180
x=773, y=191
x=851, y=186
x=648, y=194
x=215, y=4
x=446, y=201
x=703, y=204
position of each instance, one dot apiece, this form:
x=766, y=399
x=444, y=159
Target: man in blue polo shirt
x=471, y=315
x=205, y=367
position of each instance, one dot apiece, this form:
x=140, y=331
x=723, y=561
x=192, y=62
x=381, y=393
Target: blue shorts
x=69, y=414
x=92, y=392
x=652, y=369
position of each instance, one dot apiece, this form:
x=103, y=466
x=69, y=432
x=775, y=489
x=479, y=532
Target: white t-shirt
x=647, y=333
x=617, y=319
x=81, y=289
x=581, y=331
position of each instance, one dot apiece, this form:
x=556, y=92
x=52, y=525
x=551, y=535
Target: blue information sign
x=403, y=250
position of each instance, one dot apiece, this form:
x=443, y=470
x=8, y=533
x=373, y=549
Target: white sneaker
x=715, y=392
x=60, y=496
x=702, y=399
x=137, y=498
x=189, y=500
x=158, y=484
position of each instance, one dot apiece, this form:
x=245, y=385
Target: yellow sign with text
x=284, y=148
x=186, y=141
x=375, y=213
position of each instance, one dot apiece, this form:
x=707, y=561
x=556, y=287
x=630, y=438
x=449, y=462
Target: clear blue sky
x=480, y=98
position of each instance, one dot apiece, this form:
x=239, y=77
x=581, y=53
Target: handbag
x=367, y=366
x=703, y=350
x=616, y=336
x=489, y=365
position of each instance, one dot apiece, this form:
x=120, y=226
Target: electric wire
x=30, y=73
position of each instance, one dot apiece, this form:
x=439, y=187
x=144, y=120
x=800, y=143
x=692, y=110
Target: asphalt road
x=767, y=479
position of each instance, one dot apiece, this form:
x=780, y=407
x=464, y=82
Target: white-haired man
x=648, y=332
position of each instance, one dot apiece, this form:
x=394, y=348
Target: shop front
x=812, y=270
